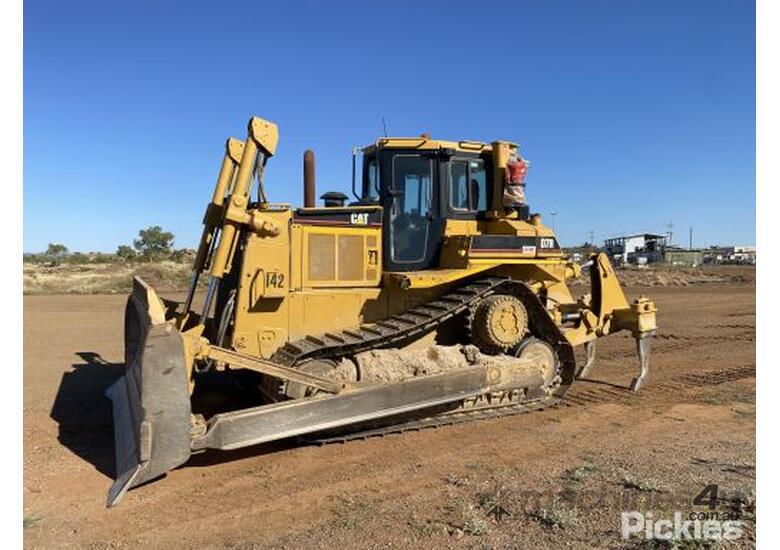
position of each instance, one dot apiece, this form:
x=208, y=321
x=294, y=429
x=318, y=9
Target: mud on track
x=563, y=475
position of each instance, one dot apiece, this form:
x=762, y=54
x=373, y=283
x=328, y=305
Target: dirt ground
x=555, y=478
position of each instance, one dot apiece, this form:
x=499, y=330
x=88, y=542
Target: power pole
x=553, y=214
x=669, y=233
x=592, y=243
x=690, y=238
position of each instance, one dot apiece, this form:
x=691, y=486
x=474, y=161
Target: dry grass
x=632, y=481
x=556, y=516
x=106, y=278
x=117, y=277
x=31, y=519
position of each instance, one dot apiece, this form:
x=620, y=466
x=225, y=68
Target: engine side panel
x=321, y=273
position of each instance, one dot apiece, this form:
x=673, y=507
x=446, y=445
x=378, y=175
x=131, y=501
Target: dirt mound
x=664, y=275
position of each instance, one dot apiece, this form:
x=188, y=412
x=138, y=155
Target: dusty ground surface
x=555, y=478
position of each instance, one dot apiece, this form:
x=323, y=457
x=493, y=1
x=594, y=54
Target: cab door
x=412, y=224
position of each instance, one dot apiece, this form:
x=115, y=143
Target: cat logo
x=359, y=218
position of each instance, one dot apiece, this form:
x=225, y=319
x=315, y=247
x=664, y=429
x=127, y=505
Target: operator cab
x=421, y=183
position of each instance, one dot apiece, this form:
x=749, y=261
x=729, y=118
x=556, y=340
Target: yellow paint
x=298, y=278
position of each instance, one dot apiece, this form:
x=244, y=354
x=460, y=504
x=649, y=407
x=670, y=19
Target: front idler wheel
x=544, y=357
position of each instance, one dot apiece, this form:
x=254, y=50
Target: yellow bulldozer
x=435, y=296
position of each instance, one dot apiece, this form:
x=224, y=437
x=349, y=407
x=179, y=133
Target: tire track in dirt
x=583, y=396
x=746, y=336
x=720, y=376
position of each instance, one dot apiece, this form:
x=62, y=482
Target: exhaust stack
x=309, y=192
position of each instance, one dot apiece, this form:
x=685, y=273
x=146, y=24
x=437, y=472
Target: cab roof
x=425, y=143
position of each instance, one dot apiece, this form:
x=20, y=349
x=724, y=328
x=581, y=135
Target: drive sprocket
x=498, y=323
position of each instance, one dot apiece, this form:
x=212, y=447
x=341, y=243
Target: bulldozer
x=434, y=297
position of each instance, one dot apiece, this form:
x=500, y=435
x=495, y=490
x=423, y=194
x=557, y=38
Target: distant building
x=730, y=255
x=647, y=248
x=683, y=256
x=744, y=255
x=630, y=248
x=718, y=254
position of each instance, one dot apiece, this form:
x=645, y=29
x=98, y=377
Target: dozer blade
x=151, y=402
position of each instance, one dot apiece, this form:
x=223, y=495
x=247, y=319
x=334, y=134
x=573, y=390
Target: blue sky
x=633, y=113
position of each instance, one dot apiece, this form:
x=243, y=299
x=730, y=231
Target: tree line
x=153, y=244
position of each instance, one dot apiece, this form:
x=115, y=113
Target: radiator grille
x=322, y=257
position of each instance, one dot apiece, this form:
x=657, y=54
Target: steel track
x=391, y=332
x=446, y=419
x=412, y=324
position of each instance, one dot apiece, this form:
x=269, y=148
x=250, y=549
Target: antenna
x=384, y=126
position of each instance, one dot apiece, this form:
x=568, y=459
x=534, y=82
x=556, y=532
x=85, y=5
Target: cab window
x=468, y=185
x=370, y=180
